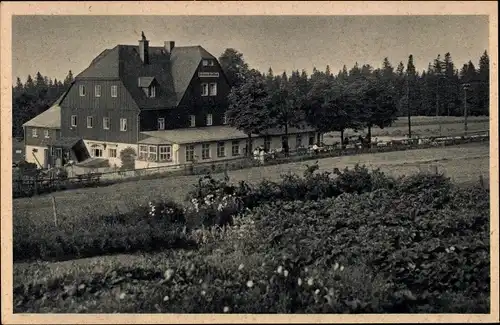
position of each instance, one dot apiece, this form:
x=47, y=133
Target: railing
x=29, y=186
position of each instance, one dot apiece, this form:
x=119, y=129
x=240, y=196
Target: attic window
x=148, y=86
x=208, y=63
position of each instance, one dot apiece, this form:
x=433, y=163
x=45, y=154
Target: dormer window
x=148, y=85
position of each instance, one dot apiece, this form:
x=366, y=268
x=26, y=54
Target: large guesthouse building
x=164, y=104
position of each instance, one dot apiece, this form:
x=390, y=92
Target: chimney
x=144, y=49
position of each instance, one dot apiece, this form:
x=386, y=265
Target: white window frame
x=46, y=134
x=91, y=120
x=205, y=63
x=210, y=119
x=212, y=89
x=95, y=150
x=165, y=153
x=34, y=132
x=221, y=149
x=82, y=90
x=189, y=152
x=105, y=125
x=224, y=118
x=152, y=153
x=123, y=124
x=205, y=151
x=152, y=92
x=97, y=90
x=114, y=91
x=143, y=152
x=204, y=89
x=235, y=145
x=161, y=123
x=192, y=121
x=114, y=154
x=73, y=121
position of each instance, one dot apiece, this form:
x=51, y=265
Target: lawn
x=461, y=163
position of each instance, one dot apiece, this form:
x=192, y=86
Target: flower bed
x=349, y=242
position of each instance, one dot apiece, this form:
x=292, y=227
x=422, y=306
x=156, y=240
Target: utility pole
x=409, y=106
x=466, y=87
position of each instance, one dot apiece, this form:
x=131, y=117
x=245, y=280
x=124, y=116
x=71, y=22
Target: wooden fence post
x=54, y=209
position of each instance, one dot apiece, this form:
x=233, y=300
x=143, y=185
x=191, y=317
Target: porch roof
x=210, y=134
x=193, y=135
x=94, y=163
x=66, y=142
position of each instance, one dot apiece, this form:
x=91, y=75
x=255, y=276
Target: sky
x=53, y=45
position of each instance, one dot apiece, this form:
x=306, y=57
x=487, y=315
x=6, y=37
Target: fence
x=25, y=187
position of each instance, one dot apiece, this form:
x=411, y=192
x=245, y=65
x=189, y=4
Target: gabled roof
x=185, y=61
x=51, y=118
x=173, y=72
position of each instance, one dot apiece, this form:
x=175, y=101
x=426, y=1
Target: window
x=221, y=150
x=208, y=63
x=46, y=133
x=34, y=133
x=143, y=152
x=161, y=124
x=112, y=153
x=165, y=153
x=189, y=153
x=213, y=89
x=224, y=118
x=114, y=91
x=123, y=124
x=152, y=153
x=311, y=139
x=97, y=90
x=73, y=121
x=192, y=120
x=209, y=119
x=267, y=143
x=152, y=91
x=105, y=123
x=96, y=152
x=204, y=89
x=82, y=90
x=205, y=151
x=298, y=143
x=235, y=148
x=90, y=122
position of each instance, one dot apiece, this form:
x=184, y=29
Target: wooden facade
x=44, y=136
x=113, y=108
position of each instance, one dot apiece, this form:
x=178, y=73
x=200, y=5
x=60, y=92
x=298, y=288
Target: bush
x=322, y=243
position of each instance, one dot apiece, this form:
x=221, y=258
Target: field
x=421, y=126
x=461, y=163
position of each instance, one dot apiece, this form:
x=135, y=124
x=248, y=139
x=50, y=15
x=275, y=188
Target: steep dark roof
x=172, y=72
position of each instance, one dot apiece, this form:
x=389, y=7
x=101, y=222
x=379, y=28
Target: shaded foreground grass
x=356, y=242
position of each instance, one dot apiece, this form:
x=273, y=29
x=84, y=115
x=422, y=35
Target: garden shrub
x=350, y=241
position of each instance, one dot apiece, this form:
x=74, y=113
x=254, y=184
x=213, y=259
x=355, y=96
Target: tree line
x=359, y=98
x=33, y=97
